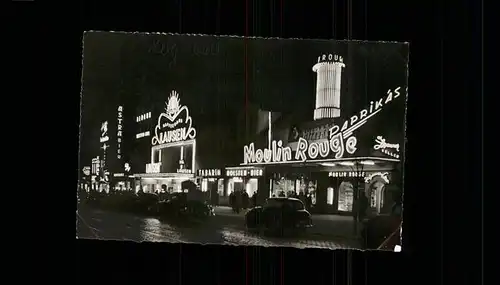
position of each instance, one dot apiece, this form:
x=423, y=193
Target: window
x=329, y=195
x=204, y=185
x=346, y=193
x=230, y=186
x=251, y=186
x=297, y=205
x=220, y=187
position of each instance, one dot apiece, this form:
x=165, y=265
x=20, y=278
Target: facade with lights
x=343, y=152
x=110, y=168
x=337, y=156
x=166, y=154
x=165, y=146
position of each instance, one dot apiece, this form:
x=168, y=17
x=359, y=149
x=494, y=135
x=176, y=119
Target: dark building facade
x=339, y=154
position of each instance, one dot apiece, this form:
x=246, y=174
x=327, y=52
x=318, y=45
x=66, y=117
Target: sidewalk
x=324, y=225
x=333, y=225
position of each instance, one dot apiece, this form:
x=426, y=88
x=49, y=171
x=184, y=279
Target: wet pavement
x=225, y=228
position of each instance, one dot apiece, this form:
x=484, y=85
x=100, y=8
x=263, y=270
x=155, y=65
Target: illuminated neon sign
x=153, y=167
x=184, y=171
x=383, y=175
x=330, y=58
x=104, y=132
x=209, y=172
x=175, y=124
x=119, y=133
x=126, y=166
x=340, y=140
x=346, y=174
x=96, y=163
x=86, y=170
x=385, y=147
x=243, y=172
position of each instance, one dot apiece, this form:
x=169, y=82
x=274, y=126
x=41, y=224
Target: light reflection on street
x=226, y=230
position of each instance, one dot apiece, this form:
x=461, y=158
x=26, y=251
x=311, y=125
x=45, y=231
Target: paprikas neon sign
x=175, y=124
x=340, y=140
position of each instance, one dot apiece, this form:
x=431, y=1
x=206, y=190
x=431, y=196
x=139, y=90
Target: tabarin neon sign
x=175, y=124
x=209, y=172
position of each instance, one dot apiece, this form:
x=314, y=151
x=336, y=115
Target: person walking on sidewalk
x=237, y=201
x=244, y=200
x=362, y=207
x=308, y=202
x=254, y=199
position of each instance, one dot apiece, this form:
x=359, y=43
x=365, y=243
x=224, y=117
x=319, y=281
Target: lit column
x=328, y=88
x=336, y=90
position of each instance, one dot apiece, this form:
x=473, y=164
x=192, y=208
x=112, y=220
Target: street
x=225, y=228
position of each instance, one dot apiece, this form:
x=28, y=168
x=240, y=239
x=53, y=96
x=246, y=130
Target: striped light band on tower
x=329, y=75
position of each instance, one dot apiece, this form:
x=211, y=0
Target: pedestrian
x=308, y=202
x=362, y=206
x=254, y=199
x=237, y=201
x=244, y=200
x=302, y=197
x=397, y=207
x=231, y=201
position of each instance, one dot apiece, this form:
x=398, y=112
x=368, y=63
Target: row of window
x=143, y=117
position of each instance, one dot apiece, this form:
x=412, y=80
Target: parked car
x=142, y=203
x=178, y=206
x=278, y=215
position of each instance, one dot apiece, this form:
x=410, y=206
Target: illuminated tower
x=329, y=74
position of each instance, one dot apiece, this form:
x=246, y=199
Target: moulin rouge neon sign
x=175, y=124
x=340, y=140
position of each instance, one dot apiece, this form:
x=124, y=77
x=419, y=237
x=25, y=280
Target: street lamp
x=358, y=168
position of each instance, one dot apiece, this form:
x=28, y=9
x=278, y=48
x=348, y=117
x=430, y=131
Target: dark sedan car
x=279, y=215
x=178, y=206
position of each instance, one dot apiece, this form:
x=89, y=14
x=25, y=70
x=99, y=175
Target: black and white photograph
x=242, y=141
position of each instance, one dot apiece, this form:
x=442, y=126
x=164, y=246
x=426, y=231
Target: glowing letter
x=249, y=154
x=301, y=148
x=312, y=151
x=337, y=145
x=324, y=149
x=259, y=155
x=350, y=144
x=396, y=92
x=267, y=155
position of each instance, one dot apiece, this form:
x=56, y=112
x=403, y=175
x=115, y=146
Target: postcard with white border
x=242, y=141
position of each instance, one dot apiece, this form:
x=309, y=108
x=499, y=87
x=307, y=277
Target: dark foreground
x=224, y=228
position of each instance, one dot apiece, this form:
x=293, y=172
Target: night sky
x=210, y=75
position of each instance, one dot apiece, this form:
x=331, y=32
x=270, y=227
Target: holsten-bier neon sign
x=175, y=124
x=340, y=140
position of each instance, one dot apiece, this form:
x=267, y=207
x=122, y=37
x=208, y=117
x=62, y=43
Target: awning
x=164, y=175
